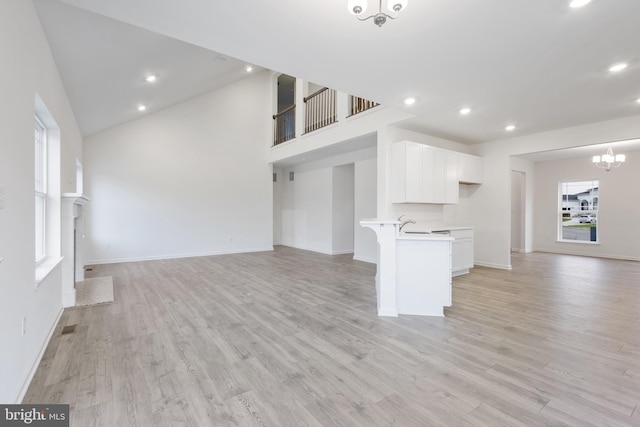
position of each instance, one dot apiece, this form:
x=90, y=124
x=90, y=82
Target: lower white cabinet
x=462, y=251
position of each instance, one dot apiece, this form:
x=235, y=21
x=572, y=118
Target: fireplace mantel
x=73, y=200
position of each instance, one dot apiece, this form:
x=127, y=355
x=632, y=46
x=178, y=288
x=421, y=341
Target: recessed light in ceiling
x=249, y=68
x=510, y=128
x=618, y=67
x=578, y=3
x=638, y=100
x=410, y=101
x=151, y=78
x=465, y=111
x=142, y=107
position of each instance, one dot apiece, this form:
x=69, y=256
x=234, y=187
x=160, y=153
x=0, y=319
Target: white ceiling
x=535, y=63
x=618, y=147
x=103, y=64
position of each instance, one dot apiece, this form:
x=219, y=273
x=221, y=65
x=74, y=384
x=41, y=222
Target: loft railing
x=284, y=125
x=320, y=109
x=358, y=105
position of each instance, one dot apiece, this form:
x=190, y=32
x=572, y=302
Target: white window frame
x=40, y=190
x=579, y=210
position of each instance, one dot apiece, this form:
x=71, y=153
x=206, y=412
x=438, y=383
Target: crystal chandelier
x=608, y=160
x=358, y=7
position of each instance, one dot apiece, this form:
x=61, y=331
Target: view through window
x=579, y=203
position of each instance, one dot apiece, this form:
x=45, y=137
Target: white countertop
x=432, y=228
x=403, y=236
x=375, y=221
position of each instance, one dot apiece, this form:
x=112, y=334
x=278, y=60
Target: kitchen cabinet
x=462, y=251
x=423, y=174
x=414, y=271
x=470, y=169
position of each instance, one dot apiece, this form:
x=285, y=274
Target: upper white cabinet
x=423, y=174
x=471, y=170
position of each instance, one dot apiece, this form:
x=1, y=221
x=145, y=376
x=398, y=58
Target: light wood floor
x=291, y=338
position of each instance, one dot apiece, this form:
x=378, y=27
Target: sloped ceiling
x=537, y=64
x=103, y=64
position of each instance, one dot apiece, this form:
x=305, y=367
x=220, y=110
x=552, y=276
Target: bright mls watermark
x=34, y=415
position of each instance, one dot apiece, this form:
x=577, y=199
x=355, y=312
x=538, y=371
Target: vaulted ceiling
x=539, y=65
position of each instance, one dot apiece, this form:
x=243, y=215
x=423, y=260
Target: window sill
x=580, y=242
x=44, y=268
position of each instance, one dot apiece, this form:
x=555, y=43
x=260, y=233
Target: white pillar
x=342, y=106
x=386, y=286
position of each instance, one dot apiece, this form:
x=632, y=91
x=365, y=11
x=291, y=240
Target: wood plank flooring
x=291, y=338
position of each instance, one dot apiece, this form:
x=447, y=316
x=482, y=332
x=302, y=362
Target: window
x=578, y=219
x=41, y=188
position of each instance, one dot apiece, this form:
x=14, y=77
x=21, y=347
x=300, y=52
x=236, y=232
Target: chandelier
x=358, y=7
x=608, y=160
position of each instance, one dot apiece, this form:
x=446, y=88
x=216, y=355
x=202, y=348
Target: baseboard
x=387, y=312
x=318, y=251
x=577, y=253
x=342, y=252
x=369, y=260
x=460, y=272
x=521, y=251
x=492, y=265
x=176, y=256
x=306, y=249
x=34, y=368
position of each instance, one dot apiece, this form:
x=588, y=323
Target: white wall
x=618, y=231
x=346, y=130
x=365, y=245
x=189, y=180
x=491, y=202
x=526, y=169
x=28, y=69
x=487, y=207
x=517, y=210
x=319, y=207
x=278, y=188
x=342, y=220
x=306, y=210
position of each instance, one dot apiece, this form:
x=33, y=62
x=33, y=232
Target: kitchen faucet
x=409, y=221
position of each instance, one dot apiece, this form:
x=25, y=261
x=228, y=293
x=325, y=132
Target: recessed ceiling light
x=509, y=128
x=618, y=67
x=249, y=68
x=151, y=78
x=142, y=107
x=465, y=111
x=638, y=100
x=410, y=101
x=578, y=3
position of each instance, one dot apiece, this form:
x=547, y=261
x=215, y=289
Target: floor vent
x=68, y=329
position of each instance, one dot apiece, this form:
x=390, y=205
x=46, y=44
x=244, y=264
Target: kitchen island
x=413, y=270
x=462, y=249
